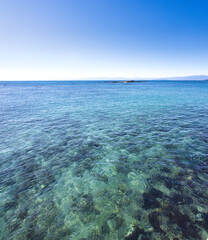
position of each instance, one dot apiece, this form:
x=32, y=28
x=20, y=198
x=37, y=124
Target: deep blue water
x=104, y=161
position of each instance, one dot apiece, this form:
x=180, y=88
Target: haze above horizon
x=135, y=39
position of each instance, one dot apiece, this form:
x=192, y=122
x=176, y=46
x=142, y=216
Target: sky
x=102, y=39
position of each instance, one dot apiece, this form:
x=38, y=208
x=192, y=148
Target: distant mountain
x=193, y=77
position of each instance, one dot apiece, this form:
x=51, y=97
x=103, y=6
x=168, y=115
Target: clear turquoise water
x=105, y=161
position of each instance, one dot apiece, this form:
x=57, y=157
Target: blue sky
x=95, y=39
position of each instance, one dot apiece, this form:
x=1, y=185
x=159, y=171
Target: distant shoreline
x=111, y=81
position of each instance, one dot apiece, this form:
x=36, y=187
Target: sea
x=103, y=160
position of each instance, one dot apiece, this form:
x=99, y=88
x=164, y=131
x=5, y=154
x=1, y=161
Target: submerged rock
x=176, y=217
x=10, y=205
x=137, y=215
x=191, y=231
x=102, y=177
x=205, y=223
x=180, y=199
x=22, y=214
x=119, y=221
x=105, y=228
x=150, y=203
x=150, y=198
x=86, y=204
x=154, y=220
x=134, y=234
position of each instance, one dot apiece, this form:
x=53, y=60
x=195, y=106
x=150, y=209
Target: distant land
x=134, y=78
x=191, y=77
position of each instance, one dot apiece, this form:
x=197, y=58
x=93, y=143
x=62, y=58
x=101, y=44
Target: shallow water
x=105, y=161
